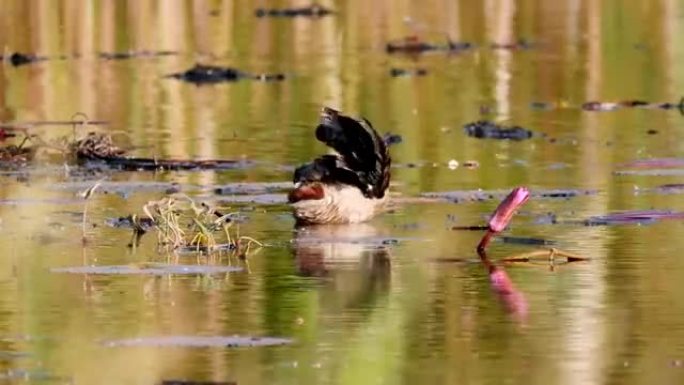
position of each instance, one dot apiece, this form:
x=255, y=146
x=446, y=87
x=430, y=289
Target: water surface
x=401, y=299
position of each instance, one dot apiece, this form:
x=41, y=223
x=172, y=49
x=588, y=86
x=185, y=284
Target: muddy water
x=402, y=299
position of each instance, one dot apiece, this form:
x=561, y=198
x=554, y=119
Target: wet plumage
x=349, y=186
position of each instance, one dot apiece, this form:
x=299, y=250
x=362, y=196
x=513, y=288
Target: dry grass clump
x=183, y=223
x=95, y=146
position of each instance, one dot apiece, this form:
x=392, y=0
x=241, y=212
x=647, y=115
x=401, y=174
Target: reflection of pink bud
x=500, y=281
x=513, y=299
x=503, y=214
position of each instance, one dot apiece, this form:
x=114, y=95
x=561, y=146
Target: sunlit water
x=401, y=299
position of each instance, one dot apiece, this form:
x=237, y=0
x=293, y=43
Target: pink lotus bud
x=504, y=213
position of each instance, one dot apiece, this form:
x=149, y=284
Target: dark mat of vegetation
x=134, y=54
x=414, y=45
x=403, y=72
x=206, y=74
x=99, y=148
x=484, y=129
x=313, y=10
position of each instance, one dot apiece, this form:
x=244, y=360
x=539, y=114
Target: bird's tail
x=362, y=149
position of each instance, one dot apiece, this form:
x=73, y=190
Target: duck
x=349, y=186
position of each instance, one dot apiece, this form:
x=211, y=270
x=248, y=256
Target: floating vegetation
x=6, y=132
x=125, y=188
x=521, y=44
x=392, y=139
x=183, y=224
x=403, y=72
x=484, y=129
x=16, y=154
x=194, y=382
x=599, y=106
x=134, y=54
x=612, y=106
x=147, y=269
x=101, y=148
x=131, y=222
x=96, y=146
x=314, y=10
x=18, y=59
x=252, y=188
x=633, y=217
x=414, y=45
x=552, y=257
x=459, y=196
x=199, y=341
x=526, y=241
x=205, y=74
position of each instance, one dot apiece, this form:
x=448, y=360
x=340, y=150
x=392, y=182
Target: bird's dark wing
x=362, y=150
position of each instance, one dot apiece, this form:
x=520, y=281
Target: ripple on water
x=199, y=341
x=155, y=269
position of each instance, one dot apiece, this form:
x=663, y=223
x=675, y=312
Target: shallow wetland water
x=401, y=299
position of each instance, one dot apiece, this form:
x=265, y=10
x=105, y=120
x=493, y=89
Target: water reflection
x=352, y=258
x=615, y=319
x=513, y=299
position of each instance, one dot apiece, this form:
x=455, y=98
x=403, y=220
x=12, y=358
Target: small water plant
x=86, y=194
x=183, y=223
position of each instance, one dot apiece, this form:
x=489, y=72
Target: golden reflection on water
x=370, y=315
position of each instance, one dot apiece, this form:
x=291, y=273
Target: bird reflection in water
x=353, y=257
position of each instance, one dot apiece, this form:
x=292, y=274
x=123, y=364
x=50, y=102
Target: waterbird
x=349, y=186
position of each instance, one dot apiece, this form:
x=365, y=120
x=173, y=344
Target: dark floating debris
x=414, y=45
x=484, y=129
x=100, y=148
x=18, y=59
x=17, y=154
x=314, y=10
x=134, y=54
x=252, y=188
x=131, y=222
x=612, y=106
x=459, y=196
x=470, y=228
x=200, y=341
x=633, y=217
x=402, y=72
x=392, y=139
x=522, y=44
x=193, y=382
x=207, y=74
x=526, y=241
x=6, y=132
